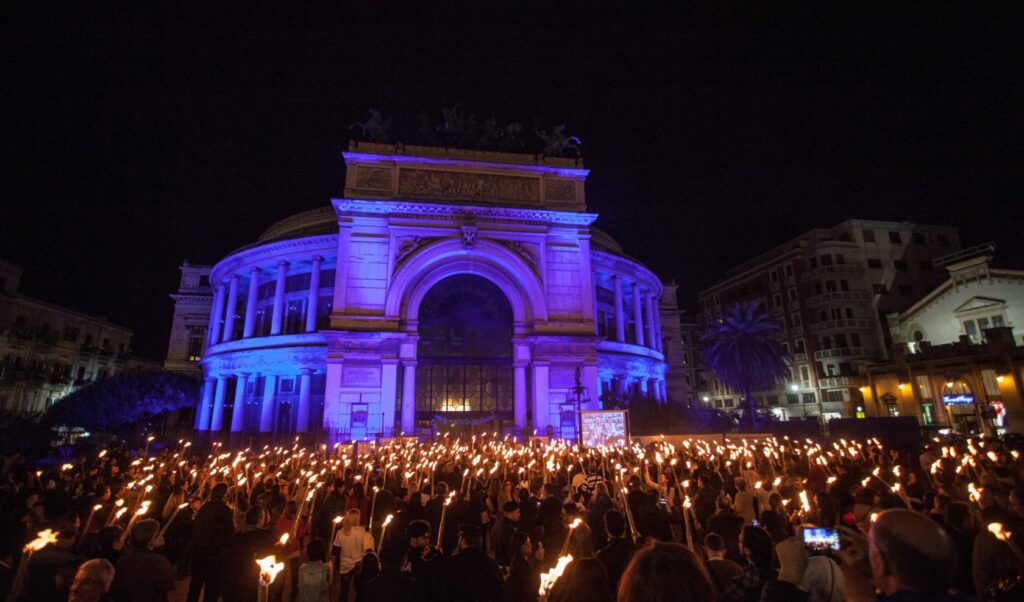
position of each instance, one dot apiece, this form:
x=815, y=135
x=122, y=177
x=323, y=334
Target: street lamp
x=580, y=398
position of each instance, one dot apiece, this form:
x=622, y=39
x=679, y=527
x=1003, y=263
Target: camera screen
x=821, y=540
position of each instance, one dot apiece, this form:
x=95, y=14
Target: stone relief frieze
x=521, y=249
x=373, y=178
x=562, y=191
x=467, y=186
x=408, y=246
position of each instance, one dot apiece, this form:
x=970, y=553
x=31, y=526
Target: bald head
x=910, y=552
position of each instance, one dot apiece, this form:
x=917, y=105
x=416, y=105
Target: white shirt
x=352, y=547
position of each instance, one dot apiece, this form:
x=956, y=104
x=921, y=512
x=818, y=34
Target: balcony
x=844, y=352
x=797, y=331
x=840, y=382
x=843, y=324
x=830, y=270
x=800, y=357
x=837, y=297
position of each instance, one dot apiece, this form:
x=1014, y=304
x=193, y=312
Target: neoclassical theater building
x=447, y=286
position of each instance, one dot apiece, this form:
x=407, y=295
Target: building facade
x=189, y=327
x=446, y=286
x=48, y=351
x=958, y=352
x=828, y=289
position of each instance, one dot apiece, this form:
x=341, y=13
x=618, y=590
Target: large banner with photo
x=604, y=427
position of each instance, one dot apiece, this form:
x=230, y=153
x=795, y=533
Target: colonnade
x=225, y=300
x=210, y=416
x=646, y=323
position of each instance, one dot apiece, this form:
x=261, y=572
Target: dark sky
x=135, y=139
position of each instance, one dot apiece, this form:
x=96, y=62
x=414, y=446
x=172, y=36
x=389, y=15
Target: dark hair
x=417, y=528
x=776, y=525
x=253, y=515
x=316, y=550
x=760, y=547
x=571, y=509
x=219, y=491
x=665, y=572
x=518, y=539
x=714, y=542
x=614, y=524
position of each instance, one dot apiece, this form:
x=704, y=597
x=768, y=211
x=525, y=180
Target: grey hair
x=104, y=570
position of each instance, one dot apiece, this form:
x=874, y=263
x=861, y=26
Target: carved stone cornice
x=260, y=253
x=627, y=266
x=480, y=213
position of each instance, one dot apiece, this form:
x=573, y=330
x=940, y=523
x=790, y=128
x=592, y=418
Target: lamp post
x=580, y=398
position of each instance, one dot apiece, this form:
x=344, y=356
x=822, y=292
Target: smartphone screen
x=821, y=540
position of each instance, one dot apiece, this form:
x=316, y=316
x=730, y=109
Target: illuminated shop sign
x=960, y=399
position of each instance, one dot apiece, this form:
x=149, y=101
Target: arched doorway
x=464, y=355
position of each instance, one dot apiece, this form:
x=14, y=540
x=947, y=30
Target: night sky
x=134, y=140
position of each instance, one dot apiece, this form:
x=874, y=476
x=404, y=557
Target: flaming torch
x=43, y=539
x=548, y=579
x=171, y=520
x=269, y=568
x=444, y=511
x=384, y=529
x=568, y=536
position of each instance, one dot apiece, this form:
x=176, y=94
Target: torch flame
x=269, y=568
x=43, y=539
x=548, y=579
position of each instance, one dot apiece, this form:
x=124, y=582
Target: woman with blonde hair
x=351, y=542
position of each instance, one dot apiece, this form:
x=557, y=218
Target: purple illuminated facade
x=451, y=286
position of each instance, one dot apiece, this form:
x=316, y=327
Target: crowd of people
x=493, y=519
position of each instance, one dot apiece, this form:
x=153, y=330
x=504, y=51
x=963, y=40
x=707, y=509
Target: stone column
x=278, y=317
x=642, y=384
x=269, y=407
x=652, y=388
x=205, y=405
x=238, y=412
x=229, y=318
x=519, y=393
x=620, y=315
x=314, y=290
x=217, y=421
x=638, y=316
x=409, y=397
x=302, y=420
x=652, y=340
x=217, y=314
x=620, y=386
x=541, y=410
x=388, y=395
x=657, y=326
x=250, y=303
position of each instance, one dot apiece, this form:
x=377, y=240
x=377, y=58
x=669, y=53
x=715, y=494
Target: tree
x=742, y=349
x=123, y=401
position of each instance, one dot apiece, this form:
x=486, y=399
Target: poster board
x=604, y=427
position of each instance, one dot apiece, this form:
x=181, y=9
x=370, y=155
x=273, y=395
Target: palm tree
x=742, y=349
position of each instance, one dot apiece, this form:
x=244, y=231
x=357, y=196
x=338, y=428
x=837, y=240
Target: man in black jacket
x=210, y=530
x=242, y=549
x=616, y=555
x=501, y=533
x=470, y=574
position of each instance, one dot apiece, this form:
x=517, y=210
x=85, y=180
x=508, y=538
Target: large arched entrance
x=464, y=355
